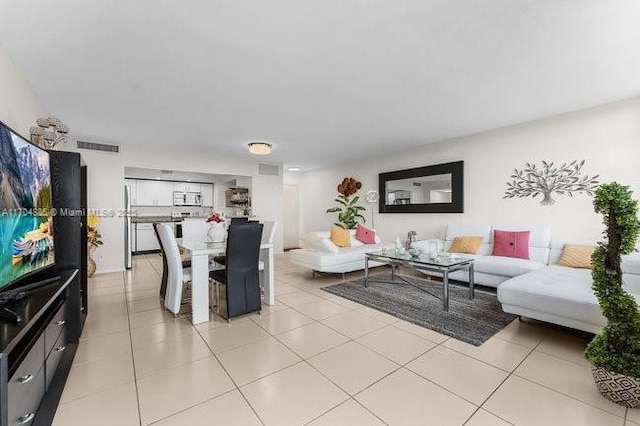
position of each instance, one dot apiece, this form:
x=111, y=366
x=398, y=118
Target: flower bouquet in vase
x=217, y=227
x=94, y=240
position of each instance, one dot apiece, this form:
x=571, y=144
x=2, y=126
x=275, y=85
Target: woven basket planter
x=618, y=388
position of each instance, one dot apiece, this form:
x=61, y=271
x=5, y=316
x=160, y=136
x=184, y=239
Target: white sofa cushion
x=464, y=230
x=321, y=241
x=505, y=266
x=321, y=260
x=556, y=290
x=539, y=236
x=317, y=241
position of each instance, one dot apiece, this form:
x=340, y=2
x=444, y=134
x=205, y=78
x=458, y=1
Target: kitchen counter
x=152, y=219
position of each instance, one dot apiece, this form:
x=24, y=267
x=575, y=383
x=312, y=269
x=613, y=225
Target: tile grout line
x=481, y=406
x=229, y=375
x=135, y=379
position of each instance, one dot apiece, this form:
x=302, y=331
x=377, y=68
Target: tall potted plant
x=348, y=210
x=615, y=352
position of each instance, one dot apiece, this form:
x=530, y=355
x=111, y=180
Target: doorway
x=290, y=216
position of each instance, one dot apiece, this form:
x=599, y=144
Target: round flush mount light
x=294, y=169
x=260, y=148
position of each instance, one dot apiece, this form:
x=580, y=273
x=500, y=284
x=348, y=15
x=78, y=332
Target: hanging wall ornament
x=549, y=179
x=49, y=132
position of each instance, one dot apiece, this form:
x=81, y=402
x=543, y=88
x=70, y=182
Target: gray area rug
x=472, y=321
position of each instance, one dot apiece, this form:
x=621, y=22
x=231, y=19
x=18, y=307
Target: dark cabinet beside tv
x=68, y=191
x=36, y=354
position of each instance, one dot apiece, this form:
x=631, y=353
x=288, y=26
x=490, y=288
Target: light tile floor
x=317, y=359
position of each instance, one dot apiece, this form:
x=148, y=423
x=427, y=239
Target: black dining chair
x=235, y=221
x=239, y=221
x=238, y=284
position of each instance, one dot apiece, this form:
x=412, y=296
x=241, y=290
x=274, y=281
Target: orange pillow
x=469, y=245
x=340, y=236
x=576, y=256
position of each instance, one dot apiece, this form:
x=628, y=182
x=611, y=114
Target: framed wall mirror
x=429, y=189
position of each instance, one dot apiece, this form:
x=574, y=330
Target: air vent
x=268, y=169
x=97, y=146
x=417, y=184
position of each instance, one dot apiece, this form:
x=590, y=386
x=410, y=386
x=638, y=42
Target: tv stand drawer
x=26, y=387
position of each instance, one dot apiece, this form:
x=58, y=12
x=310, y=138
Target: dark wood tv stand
x=36, y=353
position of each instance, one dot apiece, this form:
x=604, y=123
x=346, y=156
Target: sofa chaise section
x=321, y=255
x=563, y=295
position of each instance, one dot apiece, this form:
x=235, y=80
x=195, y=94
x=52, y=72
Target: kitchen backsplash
x=162, y=211
x=166, y=211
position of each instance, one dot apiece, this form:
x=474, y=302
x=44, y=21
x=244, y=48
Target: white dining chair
x=268, y=233
x=194, y=228
x=177, y=276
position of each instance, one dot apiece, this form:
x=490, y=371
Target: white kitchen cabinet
x=134, y=193
x=207, y=194
x=146, y=237
x=186, y=187
x=154, y=193
x=164, y=195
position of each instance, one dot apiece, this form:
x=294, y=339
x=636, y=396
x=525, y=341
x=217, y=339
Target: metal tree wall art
x=49, y=132
x=550, y=179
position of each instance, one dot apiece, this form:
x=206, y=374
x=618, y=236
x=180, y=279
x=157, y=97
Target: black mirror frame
x=456, y=169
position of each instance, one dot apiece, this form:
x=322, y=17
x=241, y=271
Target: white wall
x=297, y=179
x=106, y=183
x=608, y=138
x=19, y=105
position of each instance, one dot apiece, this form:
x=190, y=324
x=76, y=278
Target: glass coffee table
x=443, y=264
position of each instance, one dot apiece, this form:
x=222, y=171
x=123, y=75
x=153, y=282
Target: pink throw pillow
x=511, y=244
x=365, y=235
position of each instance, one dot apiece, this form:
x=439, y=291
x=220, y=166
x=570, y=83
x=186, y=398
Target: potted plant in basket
x=348, y=211
x=615, y=352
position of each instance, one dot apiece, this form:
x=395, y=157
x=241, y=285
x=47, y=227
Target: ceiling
x=179, y=176
x=324, y=81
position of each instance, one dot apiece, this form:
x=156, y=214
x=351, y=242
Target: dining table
x=200, y=249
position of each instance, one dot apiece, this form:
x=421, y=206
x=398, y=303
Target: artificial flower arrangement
x=348, y=211
x=216, y=217
x=94, y=238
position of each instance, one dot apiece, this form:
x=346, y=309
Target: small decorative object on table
x=217, y=228
x=93, y=241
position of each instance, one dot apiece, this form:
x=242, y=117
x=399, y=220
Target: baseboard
x=108, y=271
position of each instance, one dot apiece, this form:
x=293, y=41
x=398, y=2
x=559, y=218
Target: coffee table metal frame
x=422, y=263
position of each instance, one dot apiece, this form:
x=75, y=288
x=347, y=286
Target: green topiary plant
x=617, y=347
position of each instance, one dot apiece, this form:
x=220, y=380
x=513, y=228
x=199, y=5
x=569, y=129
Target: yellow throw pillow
x=576, y=256
x=468, y=245
x=340, y=236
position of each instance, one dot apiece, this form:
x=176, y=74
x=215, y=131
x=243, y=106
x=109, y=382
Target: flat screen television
x=26, y=232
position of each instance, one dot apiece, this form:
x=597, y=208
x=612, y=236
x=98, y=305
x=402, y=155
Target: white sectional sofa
x=539, y=288
x=321, y=255
x=492, y=270
x=563, y=295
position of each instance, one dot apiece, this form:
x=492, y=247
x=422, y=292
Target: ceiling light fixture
x=294, y=169
x=260, y=148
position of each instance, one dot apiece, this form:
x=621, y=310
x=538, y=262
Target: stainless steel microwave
x=181, y=198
